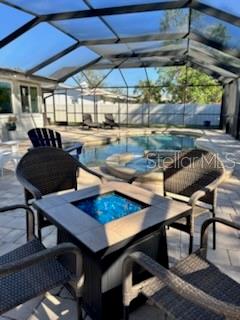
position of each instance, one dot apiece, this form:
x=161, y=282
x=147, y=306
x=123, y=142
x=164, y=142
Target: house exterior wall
x=25, y=121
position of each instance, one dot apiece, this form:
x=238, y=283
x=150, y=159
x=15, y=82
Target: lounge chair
x=87, y=121
x=193, y=289
x=47, y=170
x=31, y=269
x=41, y=137
x=109, y=121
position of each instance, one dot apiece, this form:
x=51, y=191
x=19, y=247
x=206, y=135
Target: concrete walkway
x=58, y=304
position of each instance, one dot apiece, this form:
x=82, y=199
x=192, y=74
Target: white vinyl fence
x=70, y=111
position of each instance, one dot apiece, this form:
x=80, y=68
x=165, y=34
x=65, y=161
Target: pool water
x=141, y=164
x=108, y=207
x=96, y=156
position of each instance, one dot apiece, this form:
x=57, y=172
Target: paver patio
x=58, y=304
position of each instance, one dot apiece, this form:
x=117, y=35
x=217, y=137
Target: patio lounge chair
x=41, y=137
x=194, y=174
x=87, y=121
x=109, y=121
x=193, y=289
x=31, y=269
x=47, y=170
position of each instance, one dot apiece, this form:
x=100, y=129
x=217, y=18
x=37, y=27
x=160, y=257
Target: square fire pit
x=107, y=222
x=110, y=206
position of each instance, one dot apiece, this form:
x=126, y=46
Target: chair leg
x=125, y=312
x=214, y=230
x=191, y=232
x=39, y=232
x=190, y=250
x=79, y=309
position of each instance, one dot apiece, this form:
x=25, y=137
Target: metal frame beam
x=176, y=36
x=17, y=33
x=202, y=60
x=213, y=61
x=197, y=66
x=139, y=64
x=155, y=53
x=166, y=5
x=205, y=67
x=215, y=12
x=53, y=59
x=216, y=45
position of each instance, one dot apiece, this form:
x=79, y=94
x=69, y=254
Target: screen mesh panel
x=13, y=19
x=53, y=6
x=34, y=46
x=168, y=21
x=68, y=63
x=85, y=28
x=230, y=6
x=216, y=30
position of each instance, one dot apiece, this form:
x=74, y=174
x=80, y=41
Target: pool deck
x=58, y=304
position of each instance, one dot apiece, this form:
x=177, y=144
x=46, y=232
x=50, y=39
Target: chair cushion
x=203, y=275
x=21, y=286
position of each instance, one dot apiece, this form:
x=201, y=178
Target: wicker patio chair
x=47, y=170
x=193, y=289
x=109, y=121
x=31, y=269
x=194, y=174
x=41, y=137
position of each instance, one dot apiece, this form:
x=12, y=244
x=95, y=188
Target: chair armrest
x=85, y=168
x=29, y=187
x=177, y=284
x=30, y=217
x=59, y=250
x=73, y=147
x=196, y=196
x=204, y=231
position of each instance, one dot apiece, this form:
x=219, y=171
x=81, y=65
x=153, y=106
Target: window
x=34, y=99
x=5, y=97
x=29, y=99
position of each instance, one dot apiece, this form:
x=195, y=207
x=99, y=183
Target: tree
x=185, y=84
x=218, y=32
x=173, y=20
x=147, y=92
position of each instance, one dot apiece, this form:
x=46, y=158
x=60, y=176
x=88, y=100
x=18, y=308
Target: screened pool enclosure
x=147, y=62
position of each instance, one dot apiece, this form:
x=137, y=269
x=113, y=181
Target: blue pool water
x=95, y=156
x=108, y=207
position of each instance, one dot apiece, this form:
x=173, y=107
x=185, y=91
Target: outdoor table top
x=99, y=238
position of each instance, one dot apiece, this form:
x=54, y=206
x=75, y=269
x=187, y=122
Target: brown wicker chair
x=41, y=137
x=194, y=174
x=31, y=270
x=47, y=170
x=193, y=289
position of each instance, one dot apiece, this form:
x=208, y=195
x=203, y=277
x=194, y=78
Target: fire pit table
x=106, y=222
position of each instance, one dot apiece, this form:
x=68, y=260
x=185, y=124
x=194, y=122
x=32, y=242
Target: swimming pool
x=96, y=155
